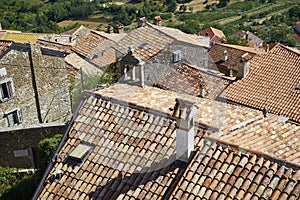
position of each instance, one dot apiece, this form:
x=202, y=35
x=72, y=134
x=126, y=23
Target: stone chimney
x=225, y=56
x=184, y=112
x=230, y=71
x=202, y=89
x=110, y=29
x=120, y=28
x=133, y=69
x=243, y=66
x=267, y=47
x=142, y=22
x=247, y=35
x=157, y=21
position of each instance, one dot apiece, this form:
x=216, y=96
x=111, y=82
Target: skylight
x=80, y=152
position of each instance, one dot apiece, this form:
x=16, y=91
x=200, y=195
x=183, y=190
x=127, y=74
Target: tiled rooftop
x=77, y=62
x=234, y=54
x=4, y=44
x=213, y=33
x=96, y=49
x=254, y=40
x=271, y=83
x=133, y=150
x=269, y=136
x=131, y=157
x=147, y=41
x=186, y=79
x=219, y=172
x=212, y=114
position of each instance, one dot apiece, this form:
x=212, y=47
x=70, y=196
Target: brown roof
x=271, y=83
x=256, y=41
x=96, y=49
x=234, y=53
x=186, y=79
x=146, y=41
x=132, y=156
x=268, y=135
x=213, y=33
x=77, y=62
x=80, y=31
x=164, y=100
x=219, y=172
x=4, y=44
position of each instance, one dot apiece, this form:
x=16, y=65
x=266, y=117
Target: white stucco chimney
x=185, y=130
x=243, y=66
x=225, y=56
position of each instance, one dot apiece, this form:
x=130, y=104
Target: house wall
x=161, y=64
x=18, y=144
x=52, y=85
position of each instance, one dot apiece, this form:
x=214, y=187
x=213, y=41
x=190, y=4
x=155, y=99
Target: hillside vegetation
x=54, y=16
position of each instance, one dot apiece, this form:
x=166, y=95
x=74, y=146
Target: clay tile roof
x=269, y=136
x=146, y=41
x=219, y=172
x=163, y=100
x=251, y=37
x=179, y=35
x=132, y=142
x=234, y=54
x=96, y=49
x=4, y=45
x=213, y=33
x=271, y=83
x=79, y=31
x=131, y=157
x=187, y=79
x=77, y=62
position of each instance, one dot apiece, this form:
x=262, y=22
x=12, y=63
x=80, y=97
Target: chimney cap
x=184, y=109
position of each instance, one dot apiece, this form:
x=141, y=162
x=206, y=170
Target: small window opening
x=14, y=117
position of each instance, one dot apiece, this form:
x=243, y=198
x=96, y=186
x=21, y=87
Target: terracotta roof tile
x=269, y=136
x=270, y=85
x=234, y=54
x=263, y=183
x=4, y=45
x=186, y=79
x=134, y=160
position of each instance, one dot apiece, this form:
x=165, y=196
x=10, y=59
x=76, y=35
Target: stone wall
x=51, y=82
x=161, y=64
x=19, y=144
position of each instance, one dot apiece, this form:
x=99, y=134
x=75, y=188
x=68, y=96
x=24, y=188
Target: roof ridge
x=157, y=29
x=269, y=157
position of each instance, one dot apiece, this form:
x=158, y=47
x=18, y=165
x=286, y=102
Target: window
x=176, y=56
x=80, y=153
x=14, y=117
x=6, y=89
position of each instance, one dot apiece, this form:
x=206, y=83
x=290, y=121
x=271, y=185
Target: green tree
x=46, y=150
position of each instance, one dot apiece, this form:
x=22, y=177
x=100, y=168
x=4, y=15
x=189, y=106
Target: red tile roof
x=271, y=83
x=234, y=54
x=213, y=33
x=269, y=136
x=186, y=79
x=132, y=156
x=96, y=49
x=219, y=172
